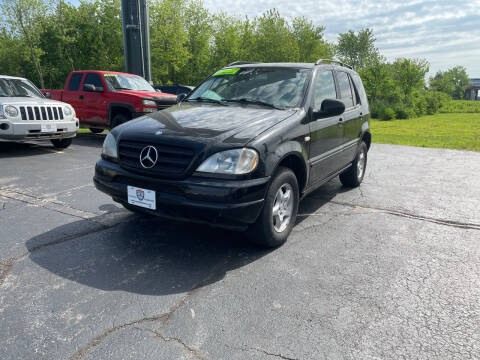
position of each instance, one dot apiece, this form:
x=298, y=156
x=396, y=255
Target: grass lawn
x=449, y=131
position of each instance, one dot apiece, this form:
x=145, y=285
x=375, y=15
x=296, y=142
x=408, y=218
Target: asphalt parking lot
x=387, y=271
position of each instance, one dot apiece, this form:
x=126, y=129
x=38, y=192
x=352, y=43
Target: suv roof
x=290, y=64
x=11, y=77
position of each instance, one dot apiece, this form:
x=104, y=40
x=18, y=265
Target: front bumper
x=31, y=130
x=217, y=202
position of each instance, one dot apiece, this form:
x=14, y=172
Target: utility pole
x=136, y=38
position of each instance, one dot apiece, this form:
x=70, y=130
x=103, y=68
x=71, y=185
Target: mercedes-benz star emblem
x=148, y=157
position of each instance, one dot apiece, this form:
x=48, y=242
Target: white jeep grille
x=41, y=112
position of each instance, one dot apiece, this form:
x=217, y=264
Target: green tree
x=273, y=39
x=409, y=75
x=227, y=39
x=357, y=50
x=311, y=44
x=198, y=24
x=453, y=82
x=168, y=40
x=24, y=17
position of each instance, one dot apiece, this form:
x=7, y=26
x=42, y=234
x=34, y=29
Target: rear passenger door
x=326, y=136
x=352, y=117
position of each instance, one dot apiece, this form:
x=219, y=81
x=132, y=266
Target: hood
x=150, y=94
x=204, y=123
x=29, y=101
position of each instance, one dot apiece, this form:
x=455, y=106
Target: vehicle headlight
x=236, y=161
x=149, y=102
x=67, y=110
x=110, y=147
x=11, y=111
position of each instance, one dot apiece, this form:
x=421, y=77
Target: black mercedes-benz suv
x=243, y=148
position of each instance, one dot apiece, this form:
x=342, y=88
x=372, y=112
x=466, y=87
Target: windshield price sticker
x=105, y=75
x=226, y=72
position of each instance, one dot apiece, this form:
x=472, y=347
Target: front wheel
x=279, y=213
x=61, y=143
x=353, y=176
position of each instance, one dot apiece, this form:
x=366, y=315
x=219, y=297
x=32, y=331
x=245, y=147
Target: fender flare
x=288, y=148
x=125, y=106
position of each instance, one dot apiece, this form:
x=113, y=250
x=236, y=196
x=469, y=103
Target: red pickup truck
x=105, y=99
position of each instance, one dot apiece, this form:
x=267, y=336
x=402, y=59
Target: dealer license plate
x=48, y=128
x=141, y=197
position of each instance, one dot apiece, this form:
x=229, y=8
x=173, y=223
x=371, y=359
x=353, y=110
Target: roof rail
x=322, y=61
x=243, y=62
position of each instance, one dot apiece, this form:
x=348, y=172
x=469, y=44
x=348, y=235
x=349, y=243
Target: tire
x=61, y=143
x=96, y=130
x=271, y=231
x=119, y=119
x=353, y=176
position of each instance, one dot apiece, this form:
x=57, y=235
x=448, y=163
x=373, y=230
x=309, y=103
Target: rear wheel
x=279, y=213
x=119, y=119
x=353, y=177
x=61, y=143
x=96, y=130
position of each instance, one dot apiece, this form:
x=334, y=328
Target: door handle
x=340, y=120
x=81, y=97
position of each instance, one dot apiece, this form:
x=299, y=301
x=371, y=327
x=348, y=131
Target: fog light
x=4, y=126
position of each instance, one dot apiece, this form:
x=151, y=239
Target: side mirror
x=47, y=95
x=329, y=108
x=88, y=87
x=99, y=89
x=180, y=97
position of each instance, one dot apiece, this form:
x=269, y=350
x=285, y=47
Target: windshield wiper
x=254, y=102
x=205, y=99
x=122, y=88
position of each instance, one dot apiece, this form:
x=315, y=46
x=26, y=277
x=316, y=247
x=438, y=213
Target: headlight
x=67, y=110
x=110, y=147
x=11, y=111
x=236, y=161
x=149, y=102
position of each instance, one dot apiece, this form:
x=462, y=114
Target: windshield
x=127, y=82
x=278, y=87
x=18, y=88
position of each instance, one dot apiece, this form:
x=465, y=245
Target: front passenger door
x=326, y=135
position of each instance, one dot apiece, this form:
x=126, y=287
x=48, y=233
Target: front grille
x=172, y=160
x=41, y=112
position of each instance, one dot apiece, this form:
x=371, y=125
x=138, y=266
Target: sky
x=445, y=33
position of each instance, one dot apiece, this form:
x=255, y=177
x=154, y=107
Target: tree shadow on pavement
x=142, y=255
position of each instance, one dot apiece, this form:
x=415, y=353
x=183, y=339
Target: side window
x=324, y=88
x=356, y=97
x=74, y=82
x=93, y=79
x=345, y=89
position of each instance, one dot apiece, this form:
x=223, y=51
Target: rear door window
x=345, y=89
x=74, y=83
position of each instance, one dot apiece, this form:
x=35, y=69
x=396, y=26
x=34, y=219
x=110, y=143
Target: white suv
x=25, y=114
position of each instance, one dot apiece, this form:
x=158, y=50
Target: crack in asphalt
x=405, y=214
x=36, y=200
x=79, y=354
x=195, y=352
x=162, y=318
x=281, y=356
